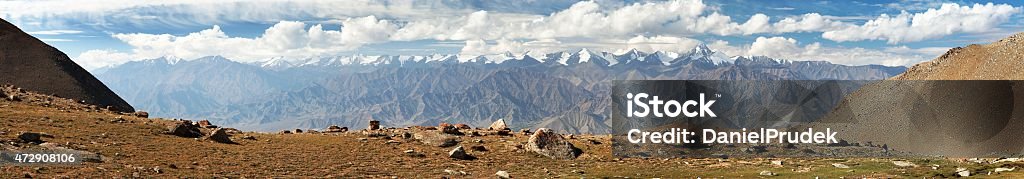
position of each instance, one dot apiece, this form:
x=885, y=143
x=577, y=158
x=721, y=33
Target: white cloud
x=790, y=49
x=54, y=32
x=934, y=23
x=659, y=43
x=286, y=38
x=779, y=47
x=94, y=59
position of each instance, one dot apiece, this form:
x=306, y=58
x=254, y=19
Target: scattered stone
x=119, y=119
x=32, y=137
x=777, y=162
x=767, y=173
x=503, y=175
x=552, y=145
x=184, y=129
x=374, y=125
x=220, y=135
x=963, y=172
x=903, y=164
x=142, y=114
x=334, y=128
x=498, y=125
x=460, y=153
x=839, y=165
x=436, y=138
x=462, y=126
x=478, y=148
x=1009, y=160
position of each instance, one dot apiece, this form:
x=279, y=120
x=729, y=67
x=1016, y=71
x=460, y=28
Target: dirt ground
x=140, y=148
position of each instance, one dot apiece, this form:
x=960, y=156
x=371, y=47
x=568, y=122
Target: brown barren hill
x=1000, y=60
x=955, y=105
x=29, y=63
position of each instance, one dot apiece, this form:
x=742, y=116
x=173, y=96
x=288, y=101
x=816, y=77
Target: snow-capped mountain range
x=567, y=90
x=565, y=58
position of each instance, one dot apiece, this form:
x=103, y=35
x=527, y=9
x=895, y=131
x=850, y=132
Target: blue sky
x=111, y=32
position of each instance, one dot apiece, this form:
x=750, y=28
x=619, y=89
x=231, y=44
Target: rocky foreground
x=132, y=145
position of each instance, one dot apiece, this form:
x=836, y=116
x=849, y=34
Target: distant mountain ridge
x=567, y=91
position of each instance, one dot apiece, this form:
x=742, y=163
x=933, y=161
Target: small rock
x=525, y=131
x=448, y=129
x=285, y=132
x=963, y=172
x=141, y=114
x=503, y=175
x=462, y=126
x=157, y=169
x=839, y=165
x=206, y=124
x=1004, y=169
x=460, y=153
x=298, y=131
x=903, y=164
x=453, y=172
x=767, y=173
x=777, y=162
x=478, y=140
x=478, y=148
x=334, y=128
x=374, y=125
x=392, y=142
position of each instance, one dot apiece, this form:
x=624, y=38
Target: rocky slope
x=33, y=65
x=1000, y=60
x=918, y=112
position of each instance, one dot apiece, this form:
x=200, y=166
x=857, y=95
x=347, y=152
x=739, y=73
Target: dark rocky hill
x=29, y=63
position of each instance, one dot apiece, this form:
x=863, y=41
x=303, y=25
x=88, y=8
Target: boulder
x=436, y=138
x=141, y=114
x=298, y=131
x=32, y=137
x=449, y=129
x=184, y=129
x=460, y=153
x=498, y=125
x=463, y=126
x=220, y=135
x=552, y=145
x=206, y=124
x=374, y=125
x=334, y=128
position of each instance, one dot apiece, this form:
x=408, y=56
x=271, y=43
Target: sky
x=903, y=32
